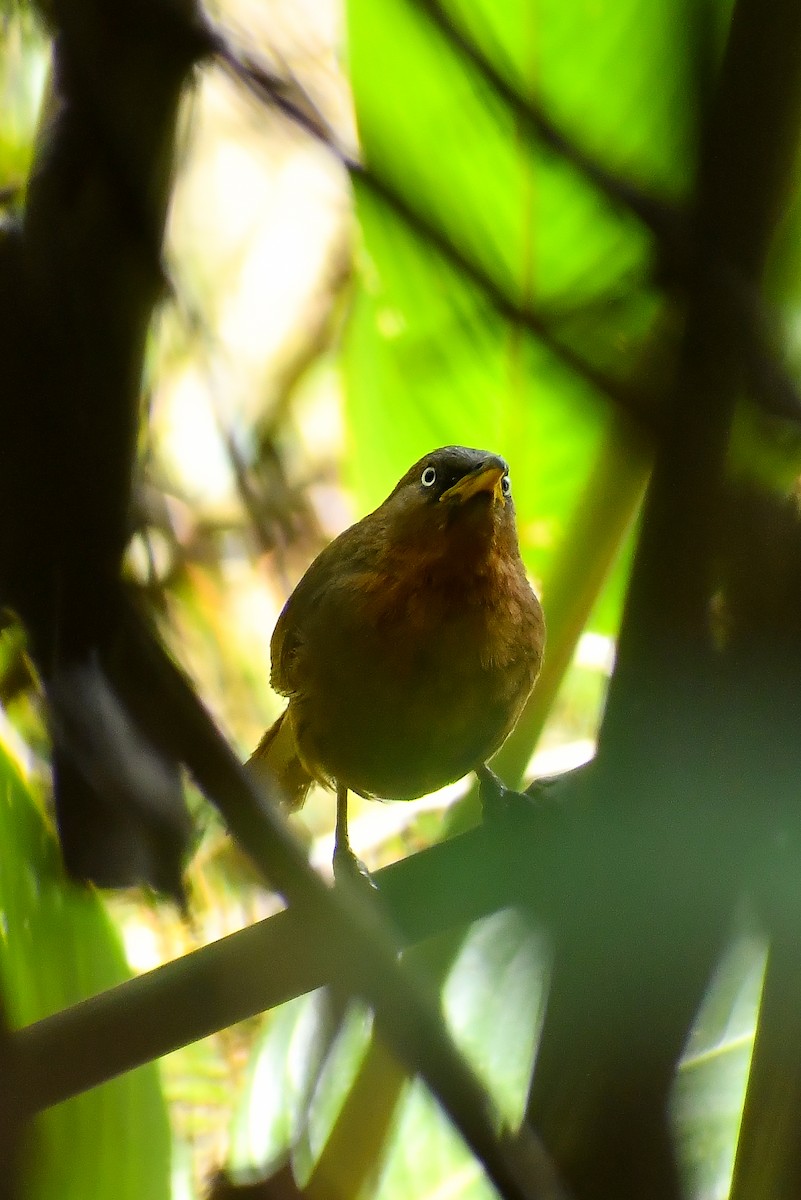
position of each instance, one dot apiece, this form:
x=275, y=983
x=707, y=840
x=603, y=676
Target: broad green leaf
x=710, y=1088
x=493, y=222
x=57, y=946
x=492, y=1002
x=299, y=1074
x=589, y=64
x=23, y=69
x=457, y=151
x=429, y=363
x=427, y=1159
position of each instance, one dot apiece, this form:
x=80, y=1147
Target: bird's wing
x=283, y=649
x=306, y=607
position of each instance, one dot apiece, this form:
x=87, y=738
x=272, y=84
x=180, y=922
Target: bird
x=409, y=647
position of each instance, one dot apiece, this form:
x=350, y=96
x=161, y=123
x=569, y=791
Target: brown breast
x=422, y=675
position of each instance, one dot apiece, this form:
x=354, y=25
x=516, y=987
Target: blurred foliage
x=304, y=347
x=58, y=946
x=23, y=67
x=710, y=1087
x=495, y=975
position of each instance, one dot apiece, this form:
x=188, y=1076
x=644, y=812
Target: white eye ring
x=429, y=477
x=506, y=486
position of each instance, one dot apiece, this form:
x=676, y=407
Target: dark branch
x=273, y=961
x=662, y=863
x=281, y=91
x=366, y=965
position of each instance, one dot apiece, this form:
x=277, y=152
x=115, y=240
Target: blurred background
x=315, y=341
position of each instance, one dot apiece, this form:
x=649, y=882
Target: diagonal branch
x=283, y=92
x=272, y=961
x=366, y=964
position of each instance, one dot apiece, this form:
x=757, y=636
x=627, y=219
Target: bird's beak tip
x=488, y=479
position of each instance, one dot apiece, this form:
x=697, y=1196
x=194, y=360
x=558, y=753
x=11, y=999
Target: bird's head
x=453, y=500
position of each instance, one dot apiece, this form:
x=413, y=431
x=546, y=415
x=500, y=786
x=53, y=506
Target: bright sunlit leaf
x=710, y=1088
x=498, y=221
x=57, y=946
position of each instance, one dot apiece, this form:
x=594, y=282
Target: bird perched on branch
x=410, y=646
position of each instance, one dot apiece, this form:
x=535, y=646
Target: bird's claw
x=559, y=792
x=350, y=870
x=499, y=802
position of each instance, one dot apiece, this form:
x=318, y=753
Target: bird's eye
x=506, y=486
x=429, y=477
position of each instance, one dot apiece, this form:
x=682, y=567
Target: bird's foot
x=498, y=801
x=350, y=870
x=560, y=792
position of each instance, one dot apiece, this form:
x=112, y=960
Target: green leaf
x=589, y=65
x=487, y=221
x=710, y=1089
x=492, y=1001
x=299, y=1074
x=429, y=362
x=58, y=946
x=427, y=1159
x=493, y=1006
x=24, y=59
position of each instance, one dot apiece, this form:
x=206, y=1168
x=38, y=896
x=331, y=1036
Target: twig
x=286, y=94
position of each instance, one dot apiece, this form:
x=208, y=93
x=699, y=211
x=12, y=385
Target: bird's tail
x=276, y=759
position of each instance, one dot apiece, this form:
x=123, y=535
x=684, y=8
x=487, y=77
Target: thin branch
x=658, y=215
x=282, y=91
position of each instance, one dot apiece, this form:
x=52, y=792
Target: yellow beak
x=483, y=479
